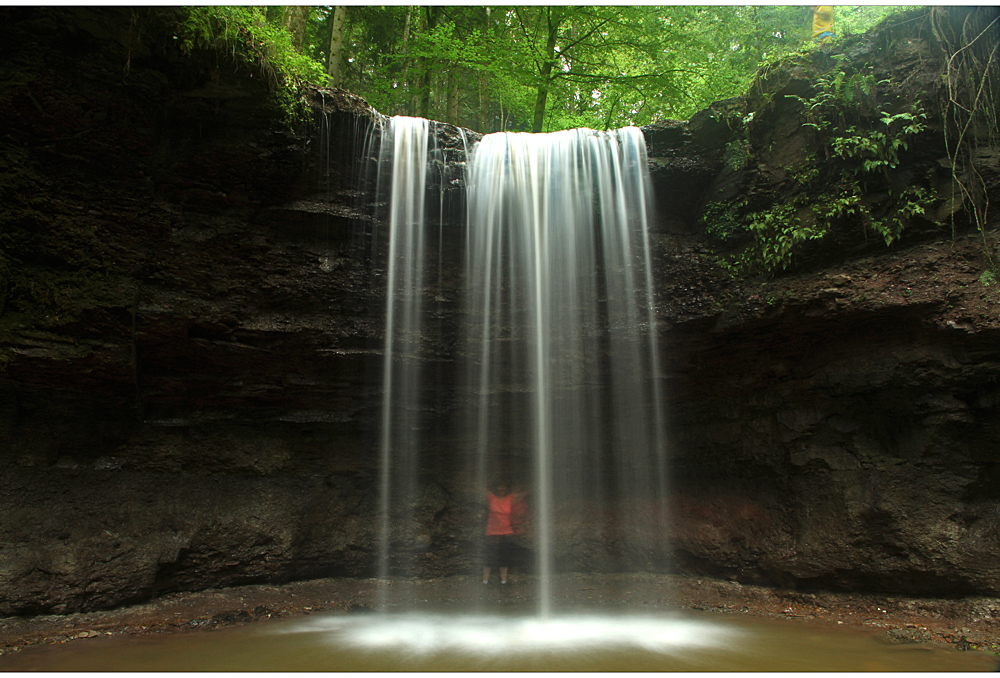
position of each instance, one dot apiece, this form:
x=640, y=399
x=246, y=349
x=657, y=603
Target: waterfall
x=558, y=350
x=561, y=341
x=404, y=154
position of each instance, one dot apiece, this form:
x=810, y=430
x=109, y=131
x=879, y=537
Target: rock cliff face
x=190, y=342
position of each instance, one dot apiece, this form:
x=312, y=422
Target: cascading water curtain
x=559, y=348
x=562, y=345
x=406, y=242
x=403, y=153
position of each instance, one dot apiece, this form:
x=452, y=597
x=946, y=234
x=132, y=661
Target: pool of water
x=502, y=642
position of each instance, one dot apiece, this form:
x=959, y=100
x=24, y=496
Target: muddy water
x=581, y=641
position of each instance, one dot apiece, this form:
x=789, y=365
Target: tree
x=553, y=18
x=602, y=63
x=533, y=67
x=333, y=58
x=294, y=19
x=428, y=21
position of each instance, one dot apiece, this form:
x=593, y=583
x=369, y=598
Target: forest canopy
x=525, y=68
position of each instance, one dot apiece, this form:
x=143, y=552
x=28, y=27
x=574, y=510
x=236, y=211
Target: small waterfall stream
x=558, y=348
x=407, y=156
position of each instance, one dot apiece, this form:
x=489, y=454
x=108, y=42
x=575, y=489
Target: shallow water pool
x=503, y=642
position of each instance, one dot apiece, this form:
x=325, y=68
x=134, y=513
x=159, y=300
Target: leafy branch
x=878, y=149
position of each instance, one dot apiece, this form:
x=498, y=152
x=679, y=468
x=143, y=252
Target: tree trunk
x=402, y=106
x=583, y=92
x=484, y=105
x=420, y=66
x=554, y=19
x=431, y=14
x=294, y=20
x=543, y=94
x=453, y=97
x=333, y=58
x=483, y=82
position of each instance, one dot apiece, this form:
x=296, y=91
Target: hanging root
x=969, y=106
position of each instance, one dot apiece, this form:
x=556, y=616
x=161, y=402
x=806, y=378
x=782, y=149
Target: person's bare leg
x=503, y=575
x=486, y=575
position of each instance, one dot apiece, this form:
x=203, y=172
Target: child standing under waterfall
x=503, y=521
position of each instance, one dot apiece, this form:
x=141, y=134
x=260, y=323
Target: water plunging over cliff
x=404, y=318
x=558, y=348
x=561, y=347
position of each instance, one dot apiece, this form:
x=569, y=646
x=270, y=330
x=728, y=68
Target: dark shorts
x=498, y=551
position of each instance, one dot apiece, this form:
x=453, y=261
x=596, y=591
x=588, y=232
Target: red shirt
x=501, y=509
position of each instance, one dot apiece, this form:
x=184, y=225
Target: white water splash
x=496, y=635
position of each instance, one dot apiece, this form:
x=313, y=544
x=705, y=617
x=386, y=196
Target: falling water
x=559, y=348
x=406, y=155
x=562, y=347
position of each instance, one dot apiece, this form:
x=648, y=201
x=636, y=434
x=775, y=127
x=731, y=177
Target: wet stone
x=908, y=635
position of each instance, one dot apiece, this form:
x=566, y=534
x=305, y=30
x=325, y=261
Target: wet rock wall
x=183, y=400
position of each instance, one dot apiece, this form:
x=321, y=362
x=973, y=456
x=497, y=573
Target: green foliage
x=722, y=220
x=878, y=149
x=776, y=233
x=987, y=278
x=856, y=19
x=843, y=107
x=829, y=209
x=805, y=173
x=806, y=176
x=864, y=138
x=486, y=67
x=247, y=35
x=840, y=99
x=913, y=201
x=843, y=110
x=515, y=67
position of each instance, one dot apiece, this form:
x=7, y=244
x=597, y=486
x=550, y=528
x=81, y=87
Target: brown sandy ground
x=967, y=624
